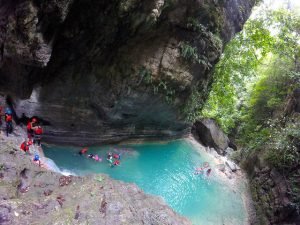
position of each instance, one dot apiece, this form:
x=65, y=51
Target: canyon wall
x=100, y=71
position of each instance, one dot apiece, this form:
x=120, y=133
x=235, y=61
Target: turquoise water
x=166, y=170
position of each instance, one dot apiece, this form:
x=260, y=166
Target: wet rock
x=232, y=166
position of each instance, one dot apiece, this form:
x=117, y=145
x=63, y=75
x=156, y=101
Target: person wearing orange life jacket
x=38, y=131
x=8, y=121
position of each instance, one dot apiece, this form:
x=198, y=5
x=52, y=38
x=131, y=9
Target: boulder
x=232, y=166
x=210, y=134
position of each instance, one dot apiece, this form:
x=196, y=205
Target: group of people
x=34, y=135
x=34, y=131
x=113, y=159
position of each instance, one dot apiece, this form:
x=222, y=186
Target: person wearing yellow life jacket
x=8, y=121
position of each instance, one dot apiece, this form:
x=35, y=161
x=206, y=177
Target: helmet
x=36, y=157
x=8, y=111
x=34, y=120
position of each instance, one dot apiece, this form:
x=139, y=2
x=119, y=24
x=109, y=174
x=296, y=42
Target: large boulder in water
x=209, y=133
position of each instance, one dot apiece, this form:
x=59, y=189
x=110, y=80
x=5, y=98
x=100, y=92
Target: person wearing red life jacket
x=83, y=151
x=8, y=121
x=38, y=131
x=25, y=146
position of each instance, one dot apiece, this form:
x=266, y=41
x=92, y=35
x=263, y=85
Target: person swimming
x=83, y=151
x=117, y=156
x=201, y=170
x=97, y=158
x=90, y=156
x=208, y=172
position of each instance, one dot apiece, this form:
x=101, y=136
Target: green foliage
x=188, y=52
x=259, y=46
x=283, y=152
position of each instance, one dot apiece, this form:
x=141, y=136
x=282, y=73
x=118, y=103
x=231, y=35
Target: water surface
x=166, y=170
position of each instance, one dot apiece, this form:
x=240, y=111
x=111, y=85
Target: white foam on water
x=52, y=166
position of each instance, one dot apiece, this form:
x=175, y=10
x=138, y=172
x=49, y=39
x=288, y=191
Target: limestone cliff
x=113, y=69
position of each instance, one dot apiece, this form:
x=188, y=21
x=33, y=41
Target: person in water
x=116, y=163
x=90, y=156
x=208, y=172
x=109, y=156
x=97, y=158
x=117, y=156
x=83, y=151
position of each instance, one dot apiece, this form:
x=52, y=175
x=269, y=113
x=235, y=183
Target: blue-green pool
x=166, y=170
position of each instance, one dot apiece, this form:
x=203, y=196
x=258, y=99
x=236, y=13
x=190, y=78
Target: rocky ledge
x=32, y=195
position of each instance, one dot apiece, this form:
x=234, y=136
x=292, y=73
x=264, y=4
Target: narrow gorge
x=103, y=73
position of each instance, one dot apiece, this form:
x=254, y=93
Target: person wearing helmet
x=8, y=111
x=8, y=121
x=36, y=159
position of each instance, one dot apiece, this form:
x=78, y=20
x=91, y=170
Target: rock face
x=113, y=67
x=270, y=191
x=293, y=103
x=31, y=195
x=209, y=134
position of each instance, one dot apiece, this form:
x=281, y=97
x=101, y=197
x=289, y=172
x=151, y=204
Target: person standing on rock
x=31, y=125
x=38, y=131
x=8, y=121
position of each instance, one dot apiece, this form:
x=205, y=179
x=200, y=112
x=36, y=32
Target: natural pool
x=166, y=170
